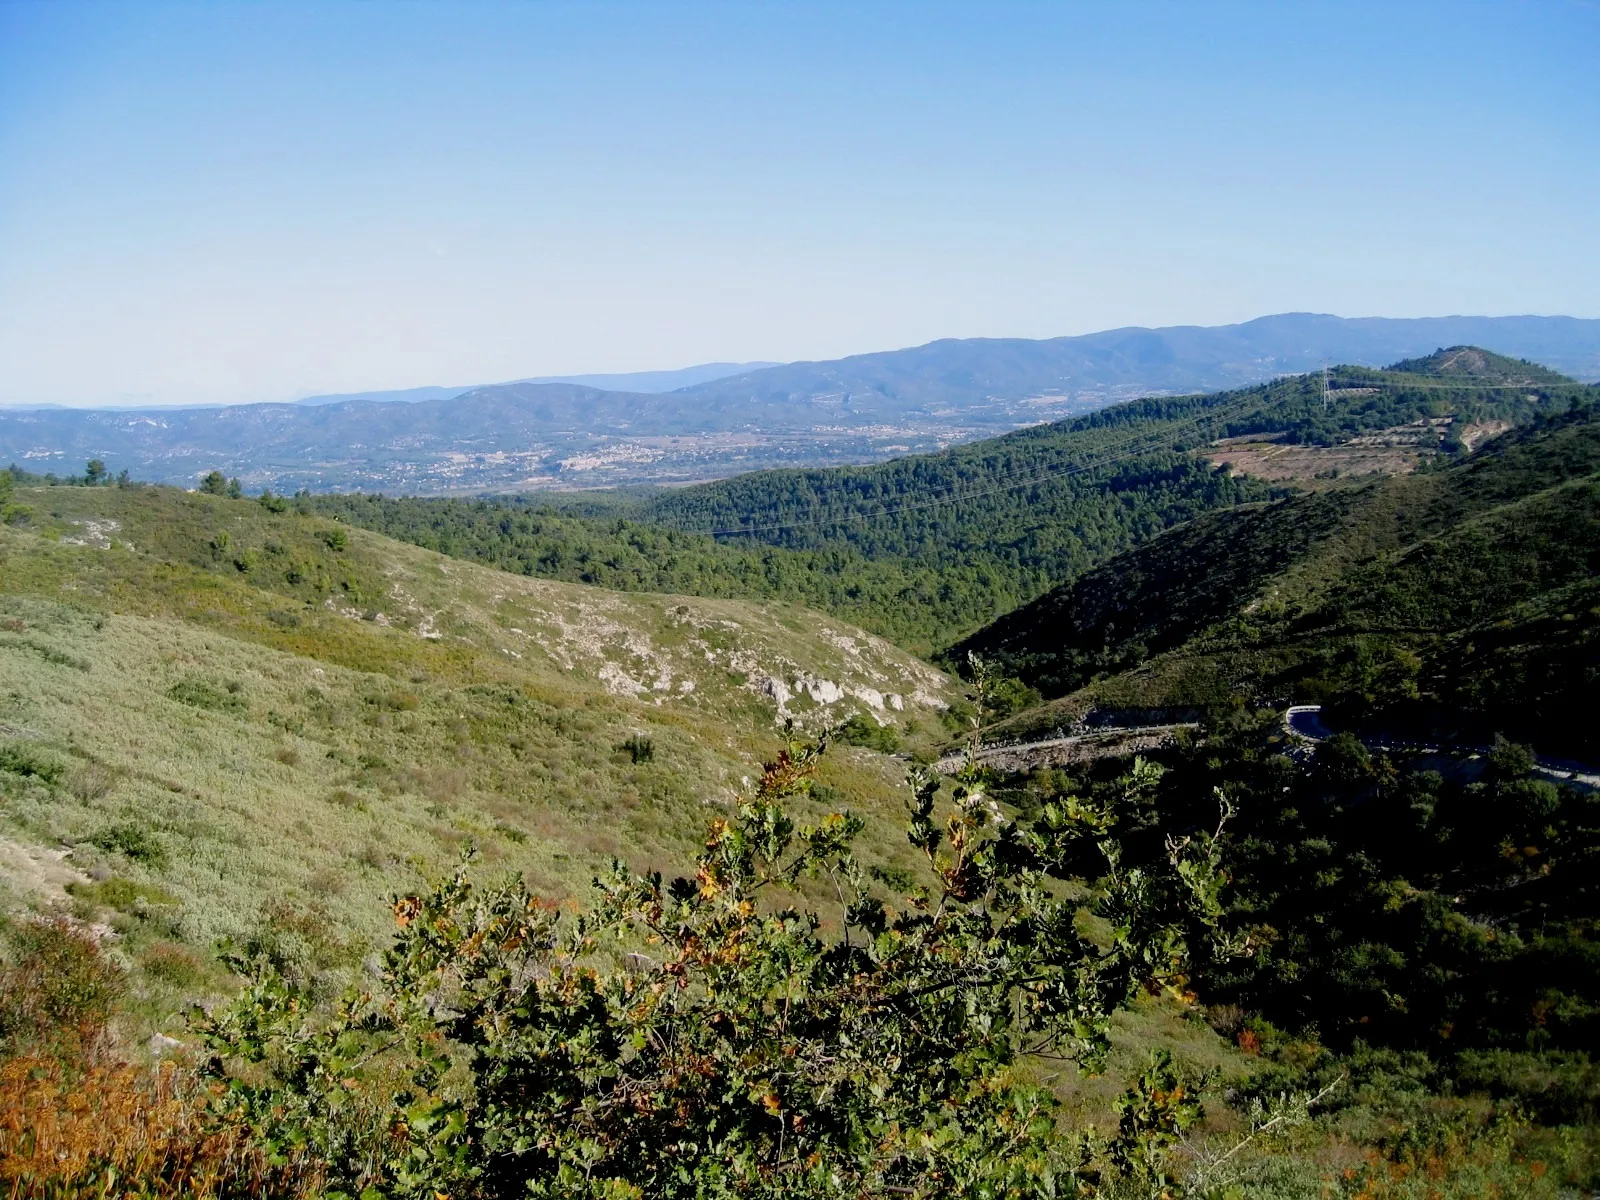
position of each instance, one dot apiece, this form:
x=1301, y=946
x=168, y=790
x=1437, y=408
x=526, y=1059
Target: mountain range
x=631, y=381
x=538, y=433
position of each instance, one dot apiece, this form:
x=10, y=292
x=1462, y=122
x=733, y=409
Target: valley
x=241, y=735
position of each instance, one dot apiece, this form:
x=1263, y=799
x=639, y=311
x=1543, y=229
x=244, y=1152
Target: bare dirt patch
x=37, y=872
x=1394, y=451
x=1311, y=465
x=1474, y=436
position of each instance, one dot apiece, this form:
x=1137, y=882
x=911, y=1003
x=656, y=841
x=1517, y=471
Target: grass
x=271, y=752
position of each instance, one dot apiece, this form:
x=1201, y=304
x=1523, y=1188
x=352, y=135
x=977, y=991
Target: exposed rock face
x=774, y=689
x=823, y=691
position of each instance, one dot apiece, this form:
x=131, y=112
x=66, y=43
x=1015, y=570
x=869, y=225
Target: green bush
x=22, y=760
x=639, y=749
x=198, y=693
x=131, y=842
x=864, y=731
x=10, y=512
x=702, y=1038
x=123, y=895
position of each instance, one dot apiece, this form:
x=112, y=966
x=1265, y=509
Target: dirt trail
x=37, y=873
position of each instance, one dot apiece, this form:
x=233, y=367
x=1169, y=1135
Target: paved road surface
x=1305, y=720
x=1301, y=721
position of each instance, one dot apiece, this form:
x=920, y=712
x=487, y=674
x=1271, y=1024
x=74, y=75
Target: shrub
x=639, y=749
x=398, y=700
x=130, y=841
x=171, y=963
x=124, y=895
x=59, y=989
x=699, y=1038
x=863, y=731
x=301, y=945
x=92, y=782
x=110, y=1129
x=335, y=539
x=10, y=512
x=373, y=856
x=1007, y=696
x=28, y=763
x=900, y=879
x=199, y=693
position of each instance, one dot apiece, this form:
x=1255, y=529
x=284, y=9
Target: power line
x=1461, y=387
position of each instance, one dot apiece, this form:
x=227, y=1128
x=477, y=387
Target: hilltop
x=638, y=382
x=1471, y=362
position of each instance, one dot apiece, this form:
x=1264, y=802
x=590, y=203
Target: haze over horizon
x=204, y=204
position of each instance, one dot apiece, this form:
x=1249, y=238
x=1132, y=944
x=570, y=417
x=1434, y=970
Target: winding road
x=1300, y=721
x=1305, y=721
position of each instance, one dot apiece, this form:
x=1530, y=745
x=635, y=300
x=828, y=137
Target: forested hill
x=1011, y=491
x=928, y=548
x=1449, y=605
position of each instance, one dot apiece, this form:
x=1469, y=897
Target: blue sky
x=256, y=201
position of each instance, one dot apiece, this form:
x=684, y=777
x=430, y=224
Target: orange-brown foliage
x=59, y=990
x=111, y=1129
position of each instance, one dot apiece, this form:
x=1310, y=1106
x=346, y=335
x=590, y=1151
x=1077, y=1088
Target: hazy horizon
x=218, y=204
x=615, y=381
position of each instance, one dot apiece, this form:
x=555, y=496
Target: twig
x=1261, y=1129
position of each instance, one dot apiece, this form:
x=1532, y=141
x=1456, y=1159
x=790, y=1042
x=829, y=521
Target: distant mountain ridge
x=1183, y=358
x=630, y=381
x=865, y=408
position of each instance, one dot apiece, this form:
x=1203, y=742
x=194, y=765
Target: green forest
x=926, y=550
x=1448, y=605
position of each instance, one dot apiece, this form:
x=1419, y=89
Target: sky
x=243, y=201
